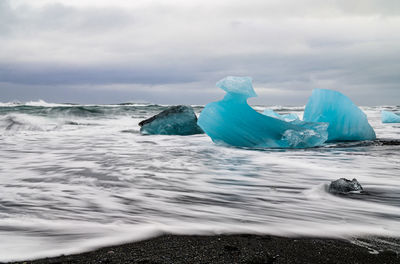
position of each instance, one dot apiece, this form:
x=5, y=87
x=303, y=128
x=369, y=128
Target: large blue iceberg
x=390, y=117
x=346, y=121
x=233, y=122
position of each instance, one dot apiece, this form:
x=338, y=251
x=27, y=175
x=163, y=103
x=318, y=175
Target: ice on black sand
x=343, y=185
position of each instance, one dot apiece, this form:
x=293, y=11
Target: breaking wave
x=23, y=122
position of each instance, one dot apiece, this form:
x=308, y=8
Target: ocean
x=78, y=177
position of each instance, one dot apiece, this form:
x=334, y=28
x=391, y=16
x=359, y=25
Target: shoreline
x=236, y=249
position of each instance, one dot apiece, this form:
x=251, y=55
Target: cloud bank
x=175, y=51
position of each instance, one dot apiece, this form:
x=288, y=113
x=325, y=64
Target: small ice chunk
x=233, y=122
x=343, y=185
x=346, y=120
x=271, y=113
x=390, y=117
x=312, y=135
x=175, y=120
x=288, y=117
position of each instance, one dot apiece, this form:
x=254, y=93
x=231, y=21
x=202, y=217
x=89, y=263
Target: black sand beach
x=232, y=249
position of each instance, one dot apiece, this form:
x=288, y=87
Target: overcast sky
x=174, y=52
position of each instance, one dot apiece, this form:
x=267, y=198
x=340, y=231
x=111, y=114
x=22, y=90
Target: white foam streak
x=71, y=183
x=22, y=122
x=21, y=248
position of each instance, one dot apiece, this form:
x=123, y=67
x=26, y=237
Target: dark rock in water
x=345, y=186
x=388, y=142
x=175, y=120
x=366, y=143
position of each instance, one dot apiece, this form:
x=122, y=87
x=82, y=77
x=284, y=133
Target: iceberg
x=288, y=117
x=233, y=122
x=175, y=120
x=390, y=117
x=346, y=121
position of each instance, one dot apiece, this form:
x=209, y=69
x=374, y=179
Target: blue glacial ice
x=390, y=117
x=288, y=117
x=346, y=121
x=175, y=120
x=233, y=122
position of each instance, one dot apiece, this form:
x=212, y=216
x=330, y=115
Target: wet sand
x=234, y=249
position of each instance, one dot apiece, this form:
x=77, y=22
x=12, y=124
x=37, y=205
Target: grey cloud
x=92, y=94
x=369, y=7
x=56, y=17
x=51, y=74
x=288, y=47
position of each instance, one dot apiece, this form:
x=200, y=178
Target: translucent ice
x=271, y=113
x=232, y=121
x=237, y=85
x=346, y=120
x=175, y=120
x=288, y=117
x=390, y=117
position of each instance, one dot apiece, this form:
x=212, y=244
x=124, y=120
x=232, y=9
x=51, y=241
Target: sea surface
x=77, y=177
